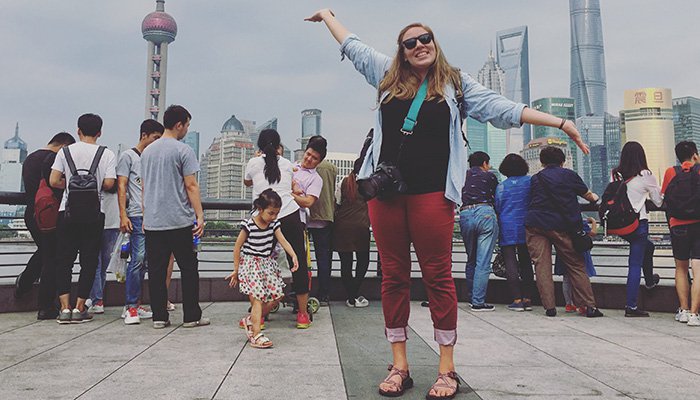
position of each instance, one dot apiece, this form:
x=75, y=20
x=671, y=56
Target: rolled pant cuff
x=446, y=338
x=396, y=335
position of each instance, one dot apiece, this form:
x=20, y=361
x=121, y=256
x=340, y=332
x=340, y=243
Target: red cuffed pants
x=427, y=221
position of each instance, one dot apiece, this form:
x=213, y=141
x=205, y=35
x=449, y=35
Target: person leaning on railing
x=433, y=165
x=554, y=212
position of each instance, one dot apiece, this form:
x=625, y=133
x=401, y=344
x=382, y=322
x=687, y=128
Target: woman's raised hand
x=570, y=129
x=319, y=15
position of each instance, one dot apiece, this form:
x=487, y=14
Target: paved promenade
x=500, y=355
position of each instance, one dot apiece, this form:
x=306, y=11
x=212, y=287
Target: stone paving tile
x=12, y=321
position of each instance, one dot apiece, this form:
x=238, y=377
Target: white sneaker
x=124, y=312
x=144, y=313
x=693, y=320
x=682, y=315
x=97, y=308
x=361, y=302
x=132, y=316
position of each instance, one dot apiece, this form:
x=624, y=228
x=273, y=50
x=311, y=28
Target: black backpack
x=83, y=205
x=683, y=194
x=616, y=212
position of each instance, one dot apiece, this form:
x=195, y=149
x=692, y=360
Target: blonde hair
x=402, y=82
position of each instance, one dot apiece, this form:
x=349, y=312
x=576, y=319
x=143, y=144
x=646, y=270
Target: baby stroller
x=290, y=298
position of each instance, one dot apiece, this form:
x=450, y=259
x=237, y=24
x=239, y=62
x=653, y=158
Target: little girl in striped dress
x=255, y=269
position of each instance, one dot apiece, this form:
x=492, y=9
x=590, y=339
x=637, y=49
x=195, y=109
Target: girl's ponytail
x=269, y=142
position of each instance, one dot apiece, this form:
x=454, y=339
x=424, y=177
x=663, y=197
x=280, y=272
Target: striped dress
x=258, y=272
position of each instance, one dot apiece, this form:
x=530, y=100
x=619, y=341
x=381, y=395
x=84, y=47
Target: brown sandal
x=443, y=383
x=400, y=388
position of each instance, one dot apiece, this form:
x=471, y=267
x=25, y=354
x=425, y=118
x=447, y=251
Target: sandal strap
x=403, y=374
x=442, y=381
x=260, y=337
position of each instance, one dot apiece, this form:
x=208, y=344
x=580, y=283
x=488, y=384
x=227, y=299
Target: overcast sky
x=256, y=59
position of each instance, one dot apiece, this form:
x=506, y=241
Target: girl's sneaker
x=693, y=320
x=144, y=313
x=303, y=321
x=570, y=308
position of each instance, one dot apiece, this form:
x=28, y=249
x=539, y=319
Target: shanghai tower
x=588, y=86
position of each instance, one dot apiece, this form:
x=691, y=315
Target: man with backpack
x=172, y=217
x=84, y=170
x=42, y=224
x=131, y=218
x=681, y=190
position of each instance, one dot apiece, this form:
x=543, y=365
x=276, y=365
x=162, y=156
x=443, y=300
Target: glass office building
x=512, y=55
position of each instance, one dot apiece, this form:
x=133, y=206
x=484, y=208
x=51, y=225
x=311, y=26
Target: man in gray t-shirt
x=131, y=217
x=172, y=216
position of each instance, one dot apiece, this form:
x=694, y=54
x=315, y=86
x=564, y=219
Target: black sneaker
x=483, y=307
x=593, y=312
x=635, y=312
x=551, y=312
x=424, y=304
x=43, y=315
x=657, y=278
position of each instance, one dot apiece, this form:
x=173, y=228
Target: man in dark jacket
x=36, y=167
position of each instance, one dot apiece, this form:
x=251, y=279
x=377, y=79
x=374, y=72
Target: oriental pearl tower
x=159, y=29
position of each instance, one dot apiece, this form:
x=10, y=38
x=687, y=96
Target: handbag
x=581, y=241
x=498, y=265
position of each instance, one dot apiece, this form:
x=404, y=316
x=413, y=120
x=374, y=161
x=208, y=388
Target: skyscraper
x=647, y=118
x=592, y=168
x=192, y=140
x=16, y=142
x=225, y=162
x=492, y=76
x=686, y=119
x=562, y=107
x=477, y=136
x=613, y=141
x=310, y=125
x=588, y=86
x=496, y=140
x=512, y=55
x=159, y=29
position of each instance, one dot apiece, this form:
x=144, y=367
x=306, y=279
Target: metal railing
x=610, y=258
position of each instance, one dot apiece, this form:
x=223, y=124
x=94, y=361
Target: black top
x=565, y=185
x=36, y=164
x=479, y=187
x=426, y=152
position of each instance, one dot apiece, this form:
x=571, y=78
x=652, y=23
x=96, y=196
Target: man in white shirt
x=79, y=236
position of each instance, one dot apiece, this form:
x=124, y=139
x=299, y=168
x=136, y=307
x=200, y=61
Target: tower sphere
x=159, y=27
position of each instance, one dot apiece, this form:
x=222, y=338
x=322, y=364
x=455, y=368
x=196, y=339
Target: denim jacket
x=480, y=103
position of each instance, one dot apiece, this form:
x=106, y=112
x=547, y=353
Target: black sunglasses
x=412, y=42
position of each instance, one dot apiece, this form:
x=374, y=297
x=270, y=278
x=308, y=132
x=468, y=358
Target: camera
x=383, y=184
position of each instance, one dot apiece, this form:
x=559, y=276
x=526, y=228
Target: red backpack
x=616, y=212
x=45, y=207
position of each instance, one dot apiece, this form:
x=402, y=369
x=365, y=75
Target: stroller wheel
x=275, y=308
x=313, y=305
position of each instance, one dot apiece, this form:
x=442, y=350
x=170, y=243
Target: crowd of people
x=412, y=173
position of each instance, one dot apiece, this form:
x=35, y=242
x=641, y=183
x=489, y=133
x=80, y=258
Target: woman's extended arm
x=534, y=117
x=339, y=32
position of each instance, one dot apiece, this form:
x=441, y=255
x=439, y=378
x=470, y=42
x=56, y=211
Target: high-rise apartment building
x=686, y=119
x=512, y=55
x=159, y=29
x=588, y=85
x=225, y=163
x=647, y=118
